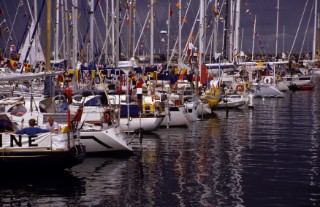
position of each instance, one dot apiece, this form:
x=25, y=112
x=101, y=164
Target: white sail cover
x=36, y=52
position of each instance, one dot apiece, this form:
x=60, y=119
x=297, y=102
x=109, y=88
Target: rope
x=305, y=33
x=14, y=20
x=294, y=41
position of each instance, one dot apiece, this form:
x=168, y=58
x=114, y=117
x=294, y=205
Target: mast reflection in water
x=266, y=156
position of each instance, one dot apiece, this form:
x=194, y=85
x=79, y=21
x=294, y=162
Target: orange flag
x=184, y=19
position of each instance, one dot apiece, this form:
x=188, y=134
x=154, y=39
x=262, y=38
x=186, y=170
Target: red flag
x=171, y=12
x=204, y=74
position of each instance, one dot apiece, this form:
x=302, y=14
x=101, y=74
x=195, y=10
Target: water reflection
x=267, y=156
x=57, y=188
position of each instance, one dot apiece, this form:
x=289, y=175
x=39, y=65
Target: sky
x=290, y=14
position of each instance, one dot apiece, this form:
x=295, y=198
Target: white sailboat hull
x=266, y=91
x=176, y=117
x=145, y=123
x=111, y=139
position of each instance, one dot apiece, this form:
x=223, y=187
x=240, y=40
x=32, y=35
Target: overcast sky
x=291, y=11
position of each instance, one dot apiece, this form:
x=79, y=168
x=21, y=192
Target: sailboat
x=41, y=151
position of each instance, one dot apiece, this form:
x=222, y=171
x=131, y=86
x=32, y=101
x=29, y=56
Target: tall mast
x=168, y=36
x=277, y=28
x=133, y=27
x=254, y=35
x=56, y=45
x=48, y=36
x=151, y=32
x=179, y=38
x=36, y=40
x=63, y=32
x=215, y=30
x=67, y=34
x=314, y=30
x=113, y=32
x=237, y=27
x=107, y=27
x=225, y=30
x=75, y=33
x=201, y=34
x=91, y=5
x=231, y=30
x=117, y=46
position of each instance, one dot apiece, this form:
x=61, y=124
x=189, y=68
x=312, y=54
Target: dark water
x=268, y=156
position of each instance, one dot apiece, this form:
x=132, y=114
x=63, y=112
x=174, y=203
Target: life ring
x=267, y=79
x=240, y=88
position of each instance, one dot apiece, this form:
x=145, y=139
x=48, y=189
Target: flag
x=236, y=55
x=184, y=19
x=171, y=12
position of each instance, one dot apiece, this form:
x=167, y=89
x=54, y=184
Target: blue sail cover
x=134, y=110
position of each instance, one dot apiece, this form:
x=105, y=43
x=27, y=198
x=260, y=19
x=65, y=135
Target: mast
x=91, y=5
x=117, y=41
x=225, y=30
x=75, y=33
x=237, y=27
x=107, y=31
x=67, y=37
x=168, y=36
x=56, y=45
x=133, y=27
x=314, y=30
x=151, y=32
x=231, y=44
x=179, y=38
x=277, y=28
x=63, y=31
x=201, y=37
x=215, y=30
x=253, y=36
x=48, y=36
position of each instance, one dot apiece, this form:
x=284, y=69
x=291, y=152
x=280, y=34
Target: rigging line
x=142, y=30
x=305, y=33
x=15, y=37
x=97, y=28
x=34, y=32
x=14, y=20
x=106, y=25
x=176, y=42
x=294, y=41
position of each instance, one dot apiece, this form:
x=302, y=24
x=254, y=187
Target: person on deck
x=52, y=126
x=31, y=130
